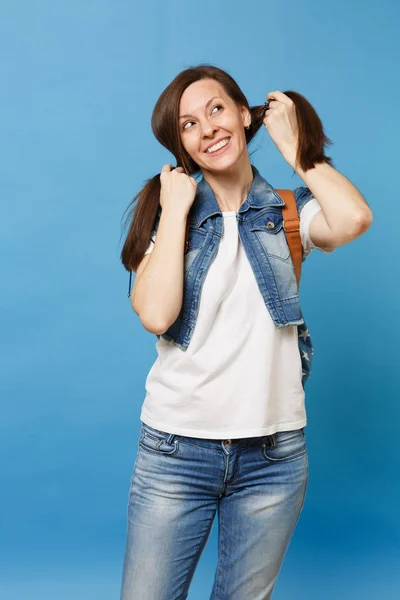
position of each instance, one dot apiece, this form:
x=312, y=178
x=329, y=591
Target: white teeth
x=216, y=147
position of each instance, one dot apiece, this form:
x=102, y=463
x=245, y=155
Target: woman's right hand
x=178, y=190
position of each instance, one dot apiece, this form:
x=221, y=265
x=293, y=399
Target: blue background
x=80, y=80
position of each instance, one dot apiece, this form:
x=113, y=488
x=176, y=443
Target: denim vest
x=260, y=226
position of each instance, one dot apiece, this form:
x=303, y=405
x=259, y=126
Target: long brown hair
x=165, y=126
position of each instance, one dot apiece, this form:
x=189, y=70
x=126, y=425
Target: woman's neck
x=230, y=186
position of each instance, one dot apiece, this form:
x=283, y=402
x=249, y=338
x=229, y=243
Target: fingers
x=167, y=168
x=280, y=96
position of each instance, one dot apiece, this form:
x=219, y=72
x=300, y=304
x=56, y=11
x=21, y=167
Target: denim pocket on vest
x=155, y=441
x=288, y=446
x=268, y=227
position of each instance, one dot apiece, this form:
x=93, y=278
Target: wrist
x=175, y=212
x=290, y=156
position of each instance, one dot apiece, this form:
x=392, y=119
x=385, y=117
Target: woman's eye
x=187, y=122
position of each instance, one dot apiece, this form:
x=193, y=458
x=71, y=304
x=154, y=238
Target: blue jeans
x=256, y=484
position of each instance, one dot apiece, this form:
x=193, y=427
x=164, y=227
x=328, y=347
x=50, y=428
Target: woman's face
x=207, y=115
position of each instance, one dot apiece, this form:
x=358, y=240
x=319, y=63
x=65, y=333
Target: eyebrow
x=207, y=105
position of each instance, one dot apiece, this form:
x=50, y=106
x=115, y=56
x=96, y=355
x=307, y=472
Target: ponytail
x=311, y=135
x=144, y=217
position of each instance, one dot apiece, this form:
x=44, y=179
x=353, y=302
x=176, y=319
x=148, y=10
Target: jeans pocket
x=285, y=446
x=155, y=441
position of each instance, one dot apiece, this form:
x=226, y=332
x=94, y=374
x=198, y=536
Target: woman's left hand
x=281, y=123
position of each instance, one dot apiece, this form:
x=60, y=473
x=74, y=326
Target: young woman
x=224, y=416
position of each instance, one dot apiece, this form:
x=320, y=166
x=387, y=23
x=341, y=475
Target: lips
x=216, y=142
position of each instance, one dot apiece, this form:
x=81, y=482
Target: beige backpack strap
x=291, y=224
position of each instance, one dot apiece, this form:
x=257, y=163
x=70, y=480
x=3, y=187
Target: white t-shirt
x=240, y=375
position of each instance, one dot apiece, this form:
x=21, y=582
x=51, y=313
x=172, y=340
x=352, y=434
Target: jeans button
x=227, y=442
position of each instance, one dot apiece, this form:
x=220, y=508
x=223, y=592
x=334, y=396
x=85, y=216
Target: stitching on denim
x=159, y=442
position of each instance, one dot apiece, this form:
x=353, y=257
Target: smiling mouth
x=226, y=141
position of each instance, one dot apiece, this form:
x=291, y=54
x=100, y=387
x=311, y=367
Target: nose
x=208, y=129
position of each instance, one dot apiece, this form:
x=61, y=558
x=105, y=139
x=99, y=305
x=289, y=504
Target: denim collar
x=261, y=194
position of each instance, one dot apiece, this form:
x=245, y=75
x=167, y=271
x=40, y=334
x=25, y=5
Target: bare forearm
x=158, y=293
x=341, y=202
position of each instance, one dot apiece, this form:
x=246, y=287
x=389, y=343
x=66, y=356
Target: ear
x=246, y=116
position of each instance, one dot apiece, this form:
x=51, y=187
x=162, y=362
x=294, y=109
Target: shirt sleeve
x=151, y=245
x=306, y=214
